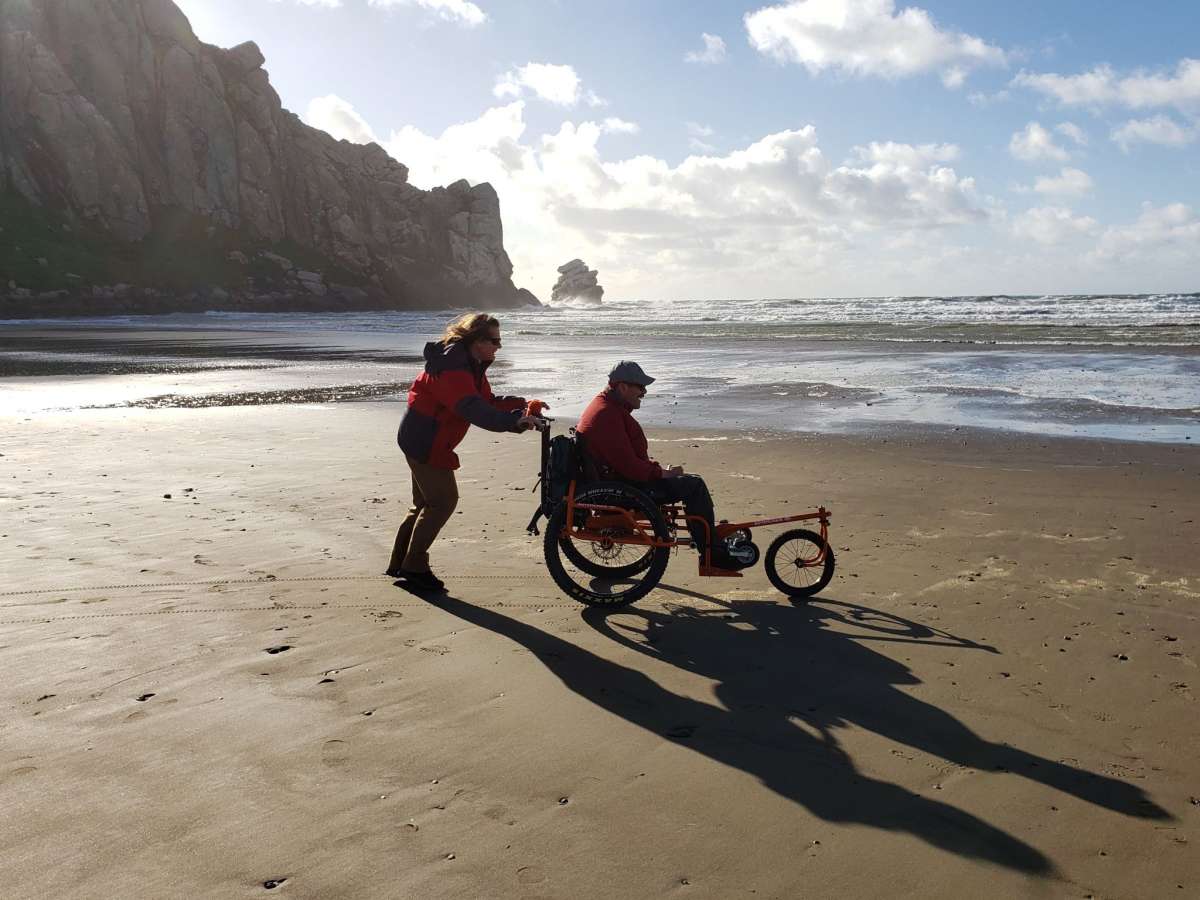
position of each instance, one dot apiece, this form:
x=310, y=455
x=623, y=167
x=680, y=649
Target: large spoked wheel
x=607, y=558
x=795, y=566
x=606, y=572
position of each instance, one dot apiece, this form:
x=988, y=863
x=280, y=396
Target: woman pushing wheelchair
x=451, y=395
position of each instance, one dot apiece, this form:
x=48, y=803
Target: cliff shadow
x=787, y=679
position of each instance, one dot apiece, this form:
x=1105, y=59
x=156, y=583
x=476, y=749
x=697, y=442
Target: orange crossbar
x=611, y=517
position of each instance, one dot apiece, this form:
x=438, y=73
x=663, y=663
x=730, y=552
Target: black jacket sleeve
x=479, y=412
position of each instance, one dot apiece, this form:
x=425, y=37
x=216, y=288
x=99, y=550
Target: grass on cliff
x=41, y=252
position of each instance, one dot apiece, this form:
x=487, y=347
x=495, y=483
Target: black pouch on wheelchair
x=562, y=467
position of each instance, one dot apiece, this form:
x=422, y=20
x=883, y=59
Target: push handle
x=536, y=409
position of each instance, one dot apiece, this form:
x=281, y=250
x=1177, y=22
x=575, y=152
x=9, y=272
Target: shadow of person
x=779, y=681
x=802, y=662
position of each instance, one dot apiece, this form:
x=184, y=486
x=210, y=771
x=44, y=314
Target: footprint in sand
x=531, y=875
x=335, y=754
x=499, y=814
x=271, y=883
x=144, y=698
x=280, y=649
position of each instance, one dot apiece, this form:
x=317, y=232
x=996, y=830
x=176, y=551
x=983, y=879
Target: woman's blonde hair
x=469, y=328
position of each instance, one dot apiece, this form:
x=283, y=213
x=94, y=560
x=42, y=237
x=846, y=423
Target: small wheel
x=792, y=563
x=607, y=559
x=595, y=584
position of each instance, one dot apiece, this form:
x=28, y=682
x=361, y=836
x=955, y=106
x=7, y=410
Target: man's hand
x=675, y=471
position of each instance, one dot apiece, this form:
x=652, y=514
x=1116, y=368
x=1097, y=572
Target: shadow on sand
x=787, y=677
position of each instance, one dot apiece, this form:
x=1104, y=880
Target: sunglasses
x=641, y=388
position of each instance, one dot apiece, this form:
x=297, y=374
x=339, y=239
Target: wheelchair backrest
x=588, y=470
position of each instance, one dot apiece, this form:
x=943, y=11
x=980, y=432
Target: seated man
x=616, y=443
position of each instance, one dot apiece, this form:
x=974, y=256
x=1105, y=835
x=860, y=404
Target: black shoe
x=395, y=573
x=425, y=581
x=721, y=558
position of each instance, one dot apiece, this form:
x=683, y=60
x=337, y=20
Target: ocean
x=1123, y=367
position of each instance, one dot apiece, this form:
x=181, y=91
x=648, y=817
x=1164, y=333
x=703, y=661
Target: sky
x=722, y=149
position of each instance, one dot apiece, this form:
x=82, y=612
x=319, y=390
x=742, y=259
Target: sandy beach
x=211, y=691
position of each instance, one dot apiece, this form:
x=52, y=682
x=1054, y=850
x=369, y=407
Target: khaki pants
x=435, y=494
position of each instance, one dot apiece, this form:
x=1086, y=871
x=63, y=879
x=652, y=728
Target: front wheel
x=795, y=564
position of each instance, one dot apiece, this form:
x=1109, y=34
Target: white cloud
x=983, y=101
x=613, y=125
x=774, y=210
x=696, y=137
x=906, y=156
x=1073, y=131
x=555, y=84
x=866, y=38
x=329, y=4
x=1035, y=143
x=460, y=11
x=1068, y=183
x=713, y=52
x=1156, y=130
x=1052, y=225
x=1161, y=233
x=340, y=119
x=954, y=77
x=486, y=149
x=1102, y=87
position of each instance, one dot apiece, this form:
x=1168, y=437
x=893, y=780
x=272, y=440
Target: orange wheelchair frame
x=595, y=523
x=606, y=519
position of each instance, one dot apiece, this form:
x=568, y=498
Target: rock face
x=116, y=119
x=576, y=282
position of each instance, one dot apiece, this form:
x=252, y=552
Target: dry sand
x=209, y=694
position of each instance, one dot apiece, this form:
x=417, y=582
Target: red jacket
x=450, y=396
x=615, y=441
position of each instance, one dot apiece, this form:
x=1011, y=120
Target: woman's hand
x=526, y=422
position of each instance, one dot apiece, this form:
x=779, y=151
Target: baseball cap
x=627, y=370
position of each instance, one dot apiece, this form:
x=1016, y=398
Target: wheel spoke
x=800, y=563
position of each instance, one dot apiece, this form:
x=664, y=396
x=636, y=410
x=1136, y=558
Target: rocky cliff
x=175, y=168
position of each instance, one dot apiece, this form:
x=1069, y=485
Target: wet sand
x=215, y=692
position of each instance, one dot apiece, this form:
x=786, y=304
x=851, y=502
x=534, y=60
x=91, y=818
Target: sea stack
x=576, y=282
